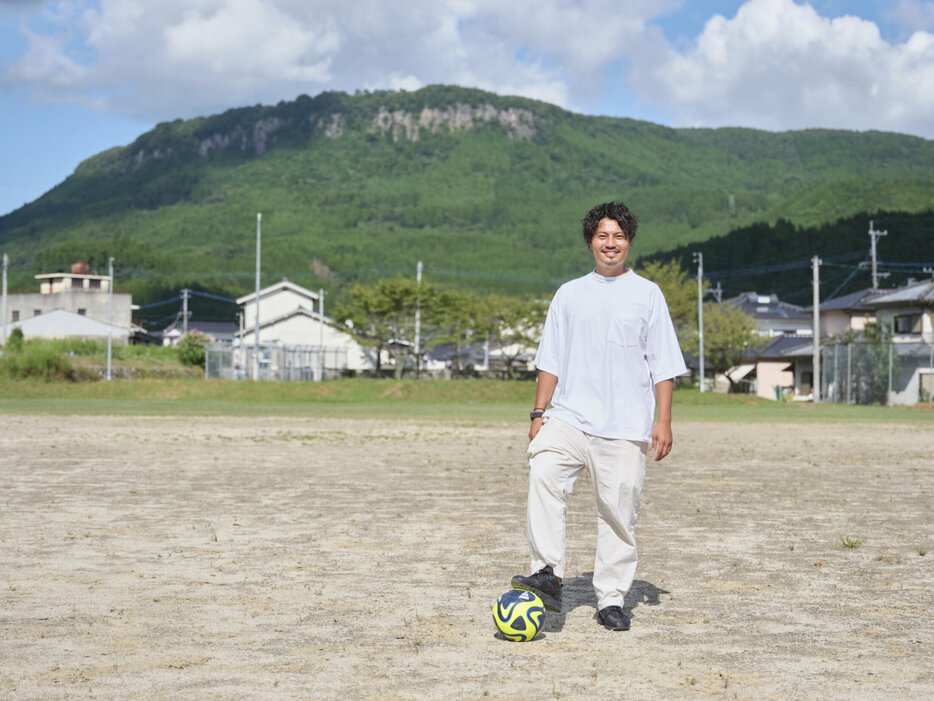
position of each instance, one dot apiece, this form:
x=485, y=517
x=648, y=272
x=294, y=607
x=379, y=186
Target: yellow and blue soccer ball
x=518, y=615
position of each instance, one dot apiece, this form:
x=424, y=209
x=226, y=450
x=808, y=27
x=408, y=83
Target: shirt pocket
x=625, y=331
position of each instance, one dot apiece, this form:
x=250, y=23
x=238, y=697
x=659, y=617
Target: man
x=608, y=352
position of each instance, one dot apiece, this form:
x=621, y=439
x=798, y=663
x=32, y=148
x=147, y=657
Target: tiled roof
x=767, y=307
x=780, y=347
x=920, y=293
x=859, y=301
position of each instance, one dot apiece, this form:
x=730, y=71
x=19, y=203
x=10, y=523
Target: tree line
x=382, y=316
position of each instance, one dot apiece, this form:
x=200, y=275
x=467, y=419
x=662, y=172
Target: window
x=77, y=283
x=36, y=312
x=82, y=312
x=16, y=315
x=906, y=323
x=94, y=284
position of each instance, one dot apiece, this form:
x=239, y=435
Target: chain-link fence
x=273, y=362
x=876, y=373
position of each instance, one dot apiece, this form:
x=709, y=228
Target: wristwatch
x=537, y=414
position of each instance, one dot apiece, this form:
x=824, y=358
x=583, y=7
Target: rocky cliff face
x=516, y=123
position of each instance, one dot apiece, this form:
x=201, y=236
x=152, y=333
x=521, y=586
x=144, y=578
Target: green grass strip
x=472, y=400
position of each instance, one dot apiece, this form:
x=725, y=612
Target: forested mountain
x=775, y=258
x=487, y=190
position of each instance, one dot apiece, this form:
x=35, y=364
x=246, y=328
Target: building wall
x=771, y=374
x=67, y=283
x=832, y=323
x=301, y=330
x=274, y=305
x=96, y=305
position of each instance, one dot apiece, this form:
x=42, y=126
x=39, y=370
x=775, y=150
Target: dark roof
x=779, y=348
x=767, y=307
x=855, y=301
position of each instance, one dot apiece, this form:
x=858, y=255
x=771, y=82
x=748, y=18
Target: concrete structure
x=289, y=316
x=60, y=323
x=77, y=292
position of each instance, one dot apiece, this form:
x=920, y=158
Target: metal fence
x=877, y=373
x=293, y=363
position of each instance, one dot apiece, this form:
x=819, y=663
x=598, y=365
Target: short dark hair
x=616, y=211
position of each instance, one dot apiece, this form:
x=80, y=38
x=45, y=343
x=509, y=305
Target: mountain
x=487, y=190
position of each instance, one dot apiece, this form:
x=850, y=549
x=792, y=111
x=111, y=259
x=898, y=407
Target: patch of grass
x=493, y=400
x=849, y=542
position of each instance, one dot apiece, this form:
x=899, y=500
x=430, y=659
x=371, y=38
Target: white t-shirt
x=609, y=340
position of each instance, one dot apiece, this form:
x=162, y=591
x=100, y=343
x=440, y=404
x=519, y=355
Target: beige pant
x=617, y=469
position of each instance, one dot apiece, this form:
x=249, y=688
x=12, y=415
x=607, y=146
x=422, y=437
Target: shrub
x=39, y=361
x=14, y=344
x=191, y=349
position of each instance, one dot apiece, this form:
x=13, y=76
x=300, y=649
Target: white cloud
x=913, y=15
x=156, y=60
x=779, y=65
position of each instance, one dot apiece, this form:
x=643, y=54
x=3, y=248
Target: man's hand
x=661, y=439
x=536, y=426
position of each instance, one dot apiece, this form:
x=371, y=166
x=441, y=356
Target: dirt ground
x=287, y=558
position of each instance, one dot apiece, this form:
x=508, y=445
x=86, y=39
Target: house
x=909, y=312
x=215, y=331
x=77, y=292
x=773, y=316
x=60, y=323
x=290, y=316
x=850, y=312
x=779, y=369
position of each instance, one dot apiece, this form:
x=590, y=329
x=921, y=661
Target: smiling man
x=608, y=352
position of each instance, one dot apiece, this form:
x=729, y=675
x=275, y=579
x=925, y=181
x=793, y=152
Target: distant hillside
x=775, y=258
x=487, y=190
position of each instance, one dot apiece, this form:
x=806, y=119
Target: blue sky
x=81, y=76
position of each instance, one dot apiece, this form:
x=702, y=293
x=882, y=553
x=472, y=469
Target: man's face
x=610, y=248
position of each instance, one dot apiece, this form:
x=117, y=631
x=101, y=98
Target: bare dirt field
x=286, y=558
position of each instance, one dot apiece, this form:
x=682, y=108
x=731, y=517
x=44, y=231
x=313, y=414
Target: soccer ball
x=518, y=615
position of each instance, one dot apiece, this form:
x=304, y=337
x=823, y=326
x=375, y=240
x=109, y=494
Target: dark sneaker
x=544, y=584
x=613, y=618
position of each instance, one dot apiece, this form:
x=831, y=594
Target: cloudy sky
x=80, y=76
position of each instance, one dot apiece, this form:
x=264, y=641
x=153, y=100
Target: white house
x=909, y=312
x=290, y=315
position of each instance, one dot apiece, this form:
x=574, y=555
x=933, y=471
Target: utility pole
x=718, y=293
x=321, y=328
x=815, y=382
x=699, y=259
x=259, y=218
x=418, y=318
x=4, y=321
x=110, y=316
x=873, y=237
x=185, y=294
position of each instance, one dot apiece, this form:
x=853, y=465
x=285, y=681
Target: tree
x=680, y=293
x=515, y=326
x=382, y=317
x=457, y=318
x=868, y=362
x=728, y=331
x=190, y=348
